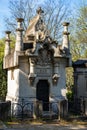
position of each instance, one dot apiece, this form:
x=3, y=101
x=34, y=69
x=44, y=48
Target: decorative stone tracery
x=45, y=57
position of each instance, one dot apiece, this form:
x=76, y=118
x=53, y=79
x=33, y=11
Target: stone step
x=48, y=114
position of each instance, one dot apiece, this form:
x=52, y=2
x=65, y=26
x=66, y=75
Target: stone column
x=55, y=72
x=19, y=39
x=32, y=66
x=7, y=45
x=65, y=44
x=32, y=74
x=56, y=67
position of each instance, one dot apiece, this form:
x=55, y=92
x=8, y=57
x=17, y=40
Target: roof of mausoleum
x=36, y=27
x=80, y=63
x=37, y=40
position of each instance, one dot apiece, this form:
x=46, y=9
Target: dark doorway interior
x=42, y=93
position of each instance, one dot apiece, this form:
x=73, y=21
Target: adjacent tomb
x=80, y=86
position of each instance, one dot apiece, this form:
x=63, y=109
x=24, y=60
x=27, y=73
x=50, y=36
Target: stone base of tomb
x=30, y=107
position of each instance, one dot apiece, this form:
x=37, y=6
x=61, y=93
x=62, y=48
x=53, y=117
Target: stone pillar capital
x=20, y=20
x=65, y=45
x=7, y=32
x=7, y=36
x=66, y=24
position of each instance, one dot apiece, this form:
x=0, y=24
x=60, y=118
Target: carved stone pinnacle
x=40, y=11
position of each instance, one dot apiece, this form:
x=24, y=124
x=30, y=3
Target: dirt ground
x=45, y=125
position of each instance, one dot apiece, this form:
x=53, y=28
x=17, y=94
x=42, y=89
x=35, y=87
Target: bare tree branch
x=55, y=13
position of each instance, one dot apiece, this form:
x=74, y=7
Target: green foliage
x=2, y=72
x=2, y=45
x=85, y=53
x=77, y=49
x=3, y=81
x=81, y=24
x=78, y=42
x=69, y=78
x=69, y=95
x=78, y=38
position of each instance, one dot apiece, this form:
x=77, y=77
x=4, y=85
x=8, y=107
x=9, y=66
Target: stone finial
x=65, y=45
x=7, y=45
x=7, y=35
x=40, y=11
x=66, y=24
x=7, y=32
x=19, y=21
x=19, y=39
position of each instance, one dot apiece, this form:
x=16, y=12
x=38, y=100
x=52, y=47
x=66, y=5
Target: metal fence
x=22, y=110
x=52, y=111
x=29, y=109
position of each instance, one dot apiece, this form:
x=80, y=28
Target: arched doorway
x=42, y=93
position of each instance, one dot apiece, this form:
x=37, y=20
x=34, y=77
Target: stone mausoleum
x=36, y=69
x=80, y=85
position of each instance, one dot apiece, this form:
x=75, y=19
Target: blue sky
x=4, y=12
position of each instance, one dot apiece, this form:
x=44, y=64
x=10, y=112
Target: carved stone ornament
x=48, y=39
x=44, y=56
x=55, y=78
x=40, y=25
x=41, y=36
x=41, y=29
x=34, y=60
x=30, y=51
x=40, y=11
x=31, y=78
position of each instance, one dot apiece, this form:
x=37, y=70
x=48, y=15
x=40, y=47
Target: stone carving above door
x=45, y=55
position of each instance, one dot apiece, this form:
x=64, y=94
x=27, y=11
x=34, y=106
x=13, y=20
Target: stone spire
x=19, y=40
x=7, y=45
x=65, y=44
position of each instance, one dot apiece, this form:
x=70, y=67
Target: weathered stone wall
x=81, y=82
